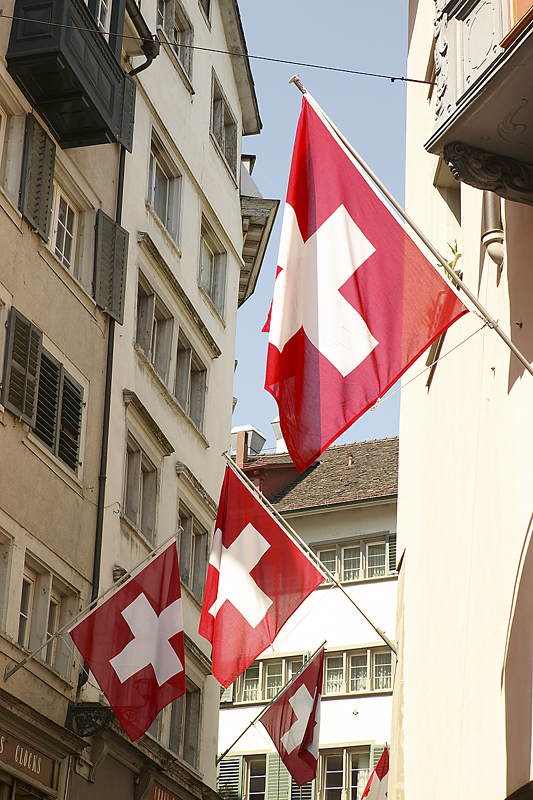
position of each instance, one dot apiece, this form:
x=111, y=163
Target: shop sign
x=158, y=792
x=15, y=753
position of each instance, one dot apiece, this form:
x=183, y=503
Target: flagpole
x=492, y=323
x=272, y=701
x=281, y=520
x=9, y=672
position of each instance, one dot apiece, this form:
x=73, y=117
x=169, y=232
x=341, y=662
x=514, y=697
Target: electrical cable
x=164, y=43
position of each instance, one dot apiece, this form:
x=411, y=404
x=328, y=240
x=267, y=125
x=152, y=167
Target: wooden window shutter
x=68, y=446
x=21, y=367
x=37, y=180
x=278, y=779
x=110, y=261
x=229, y=778
x=391, y=539
x=304, y=792
x=377, y=751
x=48, y=401
x=227, y=694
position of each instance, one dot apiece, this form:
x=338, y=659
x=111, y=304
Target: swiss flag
x=293, y=722
x=133, y=643
x=355, y=301
x=377, y=787
x=257, y=578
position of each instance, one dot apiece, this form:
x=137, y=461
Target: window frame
x=223, y=127
x=170, y=18
x=178, y=726
x=213, y=286
x=154, y=328
x=141, y=482
x=193, y=548
x=170, y=219
x=336, y=556
x=346, y=679
x=190, y=381
x=346, y=788
x=73, y=265
x=263, y=689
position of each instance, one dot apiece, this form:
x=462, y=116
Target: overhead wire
x=165, y=43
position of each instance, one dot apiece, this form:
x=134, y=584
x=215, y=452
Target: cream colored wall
x=465, y=508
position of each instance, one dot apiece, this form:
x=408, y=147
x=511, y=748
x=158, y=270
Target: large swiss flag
x=293, y=722
x=133, y=643
x=257, y=578
x=355, y=300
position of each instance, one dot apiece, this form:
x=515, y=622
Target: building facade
x=132, y=230
x=344, y=508
x=463, y=725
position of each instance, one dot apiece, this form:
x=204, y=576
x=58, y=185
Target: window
x=59, y=411
x=263, y=679
x=64, y=228
x=345, y=770
x=177, y=27
x=259, y=777
x=45, y=606
x=140, y=490
x=185, y=724
x=190, y=385
x=206, y=6
x=212, y=268
x=164, y=189
x=361, y=559
x=223, y=127
x=366, y=670
x=192, y=552
x=154, y=329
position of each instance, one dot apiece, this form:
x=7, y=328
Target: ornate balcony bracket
x=86, y=719
x=505, y=176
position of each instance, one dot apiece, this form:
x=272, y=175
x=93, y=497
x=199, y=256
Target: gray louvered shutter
x=227, y=694
x=128, y=113
x=377, y=751
x=68, y=444
x=21, y=367
x=37, y=180
x=48, y=401
x=304, y=792
x=110, y=261
x=229, y=778
x=278, y=779
x=391, y=540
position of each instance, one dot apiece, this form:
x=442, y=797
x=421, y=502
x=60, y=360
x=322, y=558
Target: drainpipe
x=151, y=51
x=492, y=236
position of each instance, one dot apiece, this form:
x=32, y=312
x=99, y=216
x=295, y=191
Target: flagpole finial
x=297, y=82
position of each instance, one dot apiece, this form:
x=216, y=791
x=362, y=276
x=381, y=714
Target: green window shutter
x=48, y=401
x=37, y=180
x=68, y=445
x=227, y=694
x=110, y=261
x=305, y=792
x=377, y=750
x=278, y=779
x=21, y=367
x=229, y=778
x=391, y=539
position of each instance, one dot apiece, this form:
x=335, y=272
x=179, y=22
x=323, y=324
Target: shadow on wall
x=517, y=677
x=519, y=267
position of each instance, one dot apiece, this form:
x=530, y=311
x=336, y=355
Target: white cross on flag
x=378, y=783
x=257, y=578
x=133, y=643
x=355, y=301
x=293, y=722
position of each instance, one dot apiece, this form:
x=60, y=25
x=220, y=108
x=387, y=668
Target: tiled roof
x=373, y=474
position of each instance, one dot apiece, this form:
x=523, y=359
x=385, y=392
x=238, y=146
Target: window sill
x=133, y=529
x=167, y=395
x=163, y=230
x=189, y=592
x=54, y=463
x=360, y=581
x=224, y=159
x=178, y=66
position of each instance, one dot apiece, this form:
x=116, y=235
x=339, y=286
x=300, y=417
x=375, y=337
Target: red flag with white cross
x=377, y=787
x=293, y=722
x=355, y=300
x=133, y=644
x=257, y=578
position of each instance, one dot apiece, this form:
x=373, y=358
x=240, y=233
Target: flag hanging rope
x=491, y=322
x=305, y=547
x=272, y=701
x=9, y=672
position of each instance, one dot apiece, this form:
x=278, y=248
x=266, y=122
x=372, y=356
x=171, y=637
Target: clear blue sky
x=364, y=35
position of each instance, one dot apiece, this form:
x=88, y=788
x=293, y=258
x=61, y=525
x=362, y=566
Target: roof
x=331, y=481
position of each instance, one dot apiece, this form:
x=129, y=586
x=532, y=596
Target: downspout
x=150, y=48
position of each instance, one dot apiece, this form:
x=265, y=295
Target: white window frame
x=169, y=217
x=347, y=682
x=57, y=228
x=177, y=28
x=212, y=281
x=335, y=555
x=266, y=689
x=190, y=384
x=154, y=328
x=193, y=547
x=224, y=131
x=140, y=489
x=346, y=773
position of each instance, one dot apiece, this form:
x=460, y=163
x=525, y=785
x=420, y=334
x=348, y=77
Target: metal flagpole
x=492, y=323
x=9, y=672
x=273, y=700
x=305, y=547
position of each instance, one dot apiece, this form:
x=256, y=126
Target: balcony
x=69, y=74
x=484, y=126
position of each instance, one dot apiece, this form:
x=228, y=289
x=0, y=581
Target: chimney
x=350, y=460
x=241, y=454
x=281, y=447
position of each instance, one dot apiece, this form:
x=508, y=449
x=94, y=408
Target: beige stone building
x=131, y=231
x=462, y=697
